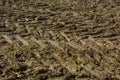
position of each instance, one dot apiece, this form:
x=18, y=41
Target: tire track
x=55, y=43
x=66, y=35
x=73, y=71
x=71, y=66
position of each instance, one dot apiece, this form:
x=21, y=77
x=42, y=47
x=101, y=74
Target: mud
x=60, y=40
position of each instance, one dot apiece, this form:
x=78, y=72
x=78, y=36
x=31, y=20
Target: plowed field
x=59, y=39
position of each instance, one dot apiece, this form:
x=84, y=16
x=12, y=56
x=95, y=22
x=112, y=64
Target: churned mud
x=59, y=39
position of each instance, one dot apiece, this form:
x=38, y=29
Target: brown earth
x=59, y=39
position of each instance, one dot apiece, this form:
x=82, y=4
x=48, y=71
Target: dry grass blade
x=8, y=39
x=109, y=42
x=39, y=42
x=116, y=76
x=51, y=33
x=93, y=40
x=55, y=44
x=70, y=66
x=93, y=72
x=74, y=45
x=22, y=40
x=65, y=36
x=27, y=28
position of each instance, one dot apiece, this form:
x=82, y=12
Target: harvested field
x=59, y=39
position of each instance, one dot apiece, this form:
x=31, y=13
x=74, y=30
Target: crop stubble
x=60, y=40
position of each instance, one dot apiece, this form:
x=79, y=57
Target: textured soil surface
x=59, y=39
